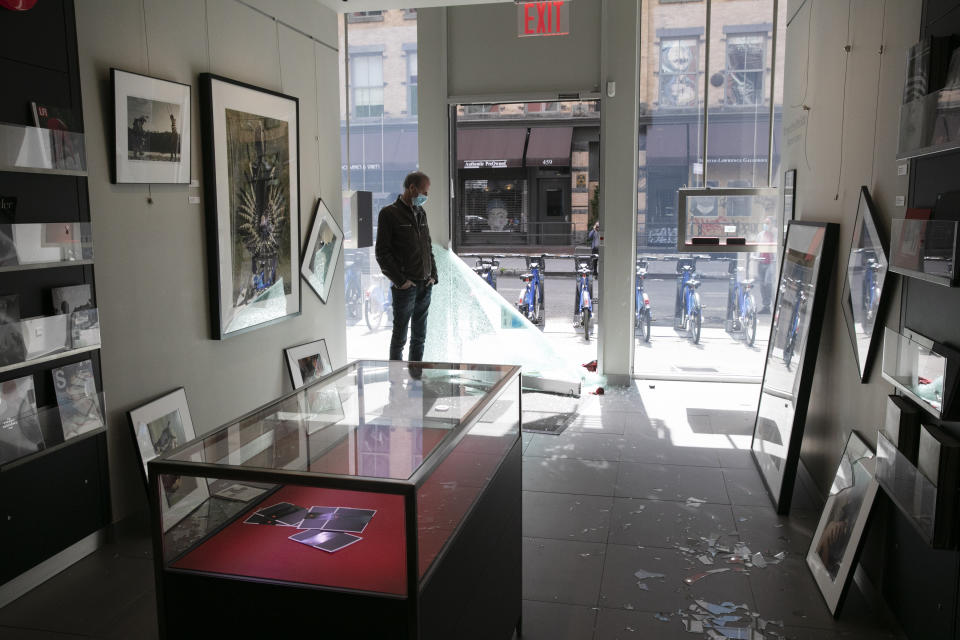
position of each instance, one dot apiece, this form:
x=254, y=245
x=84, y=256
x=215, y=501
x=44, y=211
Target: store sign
x=535, y=18
x=485, y=164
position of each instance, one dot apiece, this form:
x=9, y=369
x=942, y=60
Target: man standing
x=405, y=256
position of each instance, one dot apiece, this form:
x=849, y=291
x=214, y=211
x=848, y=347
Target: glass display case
x=38, y=150
x=924, y=371
x=387, y=492
x=926, y=494
x=925, y=249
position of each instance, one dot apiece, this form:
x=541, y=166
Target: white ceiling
x=343, y=6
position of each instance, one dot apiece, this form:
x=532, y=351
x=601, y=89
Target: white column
x=433, y=124
x=618, y=187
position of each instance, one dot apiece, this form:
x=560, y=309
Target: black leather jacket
x=404, y=250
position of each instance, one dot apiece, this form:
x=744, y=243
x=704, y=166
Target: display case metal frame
x=483, y=548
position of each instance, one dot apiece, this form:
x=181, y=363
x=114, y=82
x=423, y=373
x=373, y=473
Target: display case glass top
x=365, y=420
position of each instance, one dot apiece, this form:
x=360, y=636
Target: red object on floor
x=591, y=366
x=375, y=563
x=598, y=392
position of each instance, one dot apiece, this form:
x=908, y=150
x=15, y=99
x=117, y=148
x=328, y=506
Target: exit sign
x=550, y=18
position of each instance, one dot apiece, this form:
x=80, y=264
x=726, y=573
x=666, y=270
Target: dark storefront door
x=553, y=212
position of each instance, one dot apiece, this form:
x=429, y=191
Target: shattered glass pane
x=470, y=322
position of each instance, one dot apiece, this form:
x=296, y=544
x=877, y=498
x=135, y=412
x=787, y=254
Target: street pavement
x=670, y=352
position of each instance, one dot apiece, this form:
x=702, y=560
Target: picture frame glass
x=864, y=283
x=773, y=443
x=307, y=363
x=322, y=252
x=152, y=129
x=254, y=153
x=836, y=542
x=161, y=426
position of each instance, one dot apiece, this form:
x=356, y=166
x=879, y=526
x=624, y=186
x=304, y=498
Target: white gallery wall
x=845, y=138
x=151, y=257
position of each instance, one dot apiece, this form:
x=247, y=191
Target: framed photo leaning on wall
x=322, y=252
x=251, y=177
x=151, y=129
x=308, y=362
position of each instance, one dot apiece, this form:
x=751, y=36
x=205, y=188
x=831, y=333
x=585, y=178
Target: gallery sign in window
x=550, y=18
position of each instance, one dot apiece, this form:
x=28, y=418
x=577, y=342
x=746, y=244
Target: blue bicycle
x=742, y=306
x=487, y=268
x=793, y=330
x=690, y=316
x=353, y=291
x=642, y=303
x=378, y=302
x=530, y=303
x=583, y=309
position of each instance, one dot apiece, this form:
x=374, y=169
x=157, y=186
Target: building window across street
x=366, y=78
x=412, y=82
x=744, y=77
x=679, y=59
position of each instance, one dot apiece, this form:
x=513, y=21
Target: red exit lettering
x=542, y=18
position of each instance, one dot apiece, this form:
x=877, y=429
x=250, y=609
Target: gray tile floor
x=608, y=497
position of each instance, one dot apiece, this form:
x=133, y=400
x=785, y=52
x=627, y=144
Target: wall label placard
x=536, y=18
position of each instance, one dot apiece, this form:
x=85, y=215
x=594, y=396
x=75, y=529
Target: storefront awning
x=728, y=142
x=549, y=147
x=490, y=148
x=377, y=149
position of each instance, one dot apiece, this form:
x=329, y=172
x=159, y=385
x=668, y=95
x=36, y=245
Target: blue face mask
x=420, y=200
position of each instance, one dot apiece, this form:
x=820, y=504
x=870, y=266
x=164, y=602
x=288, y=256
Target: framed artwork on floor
x=836, y=543
x=308, y=362
x=251, y=174
x=151, y=129
x=160, y=426
x=322, y=252
x=808, y=255
x=864, y=283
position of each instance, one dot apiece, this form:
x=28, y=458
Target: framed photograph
x=160, y=426
x=251, y=175
x=151, y=129
x=308, y=362
x=322, y=252
x=77, y=399
x=864, y=283
x=836, y=544
x=808, y=256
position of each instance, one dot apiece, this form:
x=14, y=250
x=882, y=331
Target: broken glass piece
x=661, y=617
x=718, y=609
x=643, y=575
x=643, y=585
x=758, y=560
x=628, y=607
x=781, y=555
x=705, y=559
x=693, y=626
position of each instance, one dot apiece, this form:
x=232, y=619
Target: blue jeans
x=410, y=306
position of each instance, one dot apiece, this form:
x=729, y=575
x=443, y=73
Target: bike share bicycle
x=688, y=312
x=530, y=303
x=741, y=305
x=793, y=331
x=583, y=300
x=353, y=290
x=642, y=309
x=487, y=268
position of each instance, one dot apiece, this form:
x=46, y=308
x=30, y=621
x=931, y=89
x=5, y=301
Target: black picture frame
x=865, y=283
x=162, y=98
x=789, y=199
x=808, y=257
x=838, y=540
x=238, y=308
x=318, y=267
